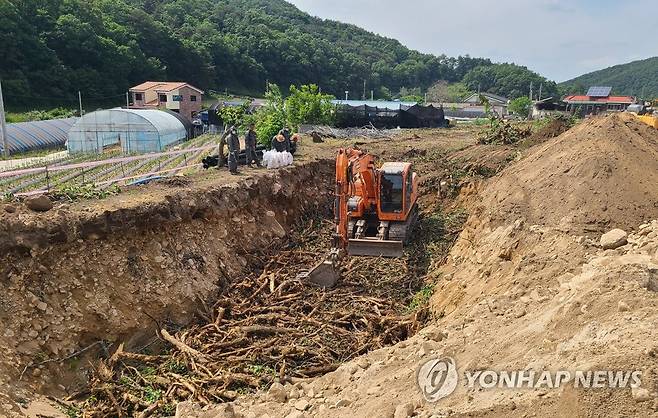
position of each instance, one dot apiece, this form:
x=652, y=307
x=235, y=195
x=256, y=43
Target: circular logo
x=437, y=378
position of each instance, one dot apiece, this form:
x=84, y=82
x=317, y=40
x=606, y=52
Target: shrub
x=308, y=105
x=271, y=118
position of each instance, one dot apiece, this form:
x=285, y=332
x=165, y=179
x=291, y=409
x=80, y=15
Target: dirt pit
x=271, y=326
x=231, y=314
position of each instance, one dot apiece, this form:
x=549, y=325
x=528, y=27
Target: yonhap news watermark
x=437, y=378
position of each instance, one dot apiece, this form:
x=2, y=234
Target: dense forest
x=53, y=48
x=637, y=78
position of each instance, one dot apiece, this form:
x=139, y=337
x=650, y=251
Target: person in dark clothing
x=233, y=150
x=250, y=139
x=286, y=133
x=280, y=144
x=292, y=144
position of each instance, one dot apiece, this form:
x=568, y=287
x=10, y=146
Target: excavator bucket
x=324, y=274
x=375, y=248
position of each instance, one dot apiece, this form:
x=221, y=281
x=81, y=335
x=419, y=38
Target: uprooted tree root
x=271, y=327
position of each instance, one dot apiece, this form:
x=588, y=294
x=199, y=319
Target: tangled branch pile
x=503, y=132
x=265, y=327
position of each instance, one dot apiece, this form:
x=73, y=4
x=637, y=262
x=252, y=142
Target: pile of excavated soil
x=555, y=127
x=599, y=175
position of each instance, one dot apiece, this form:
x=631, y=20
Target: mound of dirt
x=598, y=175
x=555, y=127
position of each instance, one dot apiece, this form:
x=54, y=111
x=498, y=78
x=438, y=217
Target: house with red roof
x=597, y=100
x=176, y=96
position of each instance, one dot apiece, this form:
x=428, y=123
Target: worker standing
x=221, y=160
x=233, y=142
x=250, y=146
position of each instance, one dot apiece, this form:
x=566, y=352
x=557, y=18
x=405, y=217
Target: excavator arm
x=356, y=179
x=355, y=176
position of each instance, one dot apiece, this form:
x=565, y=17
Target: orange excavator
x=375, y=211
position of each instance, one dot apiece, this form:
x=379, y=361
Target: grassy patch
x=151, y=394
x=32, y=115
x=421, y=299
x=71, y=411
x=32, y=154
x=261, y=370
x=73, y=192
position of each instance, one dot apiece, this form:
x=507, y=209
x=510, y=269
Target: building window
x=139, y=96
x=193, y=98
x=163, y=98
x=177, y=98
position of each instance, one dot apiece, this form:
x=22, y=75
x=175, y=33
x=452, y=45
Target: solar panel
x=599, y=91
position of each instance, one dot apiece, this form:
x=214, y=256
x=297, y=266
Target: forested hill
x=52, y=48
x=637, y=78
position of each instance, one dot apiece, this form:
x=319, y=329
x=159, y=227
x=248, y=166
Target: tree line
x=53, y=48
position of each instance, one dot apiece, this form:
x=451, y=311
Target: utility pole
x=3, y=124
x=127, y=101
x=541, y=86
x=364, y=89
x=530, y=91
x=372, y=95
x=80, y=102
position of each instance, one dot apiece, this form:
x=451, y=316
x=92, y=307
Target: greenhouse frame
x=37, y=135
x=138, y=131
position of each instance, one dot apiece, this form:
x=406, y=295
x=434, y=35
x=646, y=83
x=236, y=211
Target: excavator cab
x=384, y=231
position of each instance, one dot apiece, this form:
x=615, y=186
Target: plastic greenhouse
x=137, y=131
x=29, y=136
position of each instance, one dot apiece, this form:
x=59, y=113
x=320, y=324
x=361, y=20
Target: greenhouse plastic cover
x=29, y=136
x=137, y=130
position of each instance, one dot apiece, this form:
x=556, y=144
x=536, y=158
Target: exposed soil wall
x=80, y=274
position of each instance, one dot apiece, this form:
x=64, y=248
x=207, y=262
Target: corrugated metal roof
x=381, y=104
x=42, y=134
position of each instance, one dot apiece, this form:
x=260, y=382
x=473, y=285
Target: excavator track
x=403, y=231
x=397, y=236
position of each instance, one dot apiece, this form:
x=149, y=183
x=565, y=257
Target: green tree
x=308, y=105
x=458, y=92
x=521, y=106
x=442, y=91
x=271, y=118
x=508, y=80
x=234, y=115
